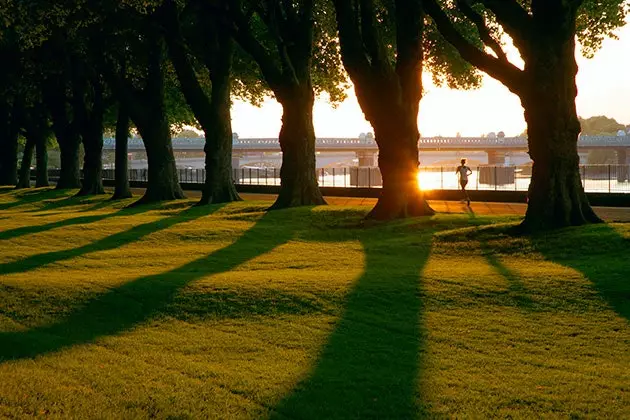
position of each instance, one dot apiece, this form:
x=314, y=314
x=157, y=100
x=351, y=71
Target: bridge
x=366, y=148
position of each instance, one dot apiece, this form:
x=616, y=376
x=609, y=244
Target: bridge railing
x=197, y=143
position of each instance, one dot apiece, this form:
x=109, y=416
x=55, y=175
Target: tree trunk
x=121, y=176
x=398, y=161
x=69, y=175
x=212, y=113
x=8, y=160
x=298, y=178
x=9, y=131
x=149, y=115
x=92, y=134
x=389, y=96
x=163, y=182
x=219, y=185
x=556, y=195
x=41, y=159
x=24, y=179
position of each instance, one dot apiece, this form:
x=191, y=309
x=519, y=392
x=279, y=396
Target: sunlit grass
x=229, y=312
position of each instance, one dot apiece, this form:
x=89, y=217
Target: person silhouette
x=463, y=171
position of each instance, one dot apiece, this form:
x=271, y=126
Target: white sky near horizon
x=603, y=89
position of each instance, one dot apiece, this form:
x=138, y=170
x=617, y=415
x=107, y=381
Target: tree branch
x=507, y=73
x=371, y=40
x=353, y=53
x=513, y=18
x=482, y=28
x=243, y=34
x=191, y=88
x=277, y=27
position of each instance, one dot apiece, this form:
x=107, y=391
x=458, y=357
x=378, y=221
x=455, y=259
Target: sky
x=603, y=89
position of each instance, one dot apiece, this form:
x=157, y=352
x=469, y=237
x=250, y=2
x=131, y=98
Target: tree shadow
x=81, y=220
x=370, y=365
x=600, y=253
x=33, y=196
x=139, y=300
x=516, y=288
x=116, y=240
x=72, y=200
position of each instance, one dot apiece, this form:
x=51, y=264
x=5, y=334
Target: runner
x=463, y=171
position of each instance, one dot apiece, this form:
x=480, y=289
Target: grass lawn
x=173, y=311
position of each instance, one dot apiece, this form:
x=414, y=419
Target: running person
x=463, y=171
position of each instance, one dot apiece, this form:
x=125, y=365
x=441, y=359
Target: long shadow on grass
x=137, y=301
x=370, y=366
x=600, y=253
x=32, y=196
x=109, y=242
x=81, y=220
x=516, y=287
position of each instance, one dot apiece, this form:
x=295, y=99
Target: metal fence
x=595, y=178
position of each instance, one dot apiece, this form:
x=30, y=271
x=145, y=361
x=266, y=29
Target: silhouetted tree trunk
x=24, y=178
x=41, y=161
x=92, y=135
x=212, y=113
x=389, y=97
x=148, y=112
x=66, y=131
x=556, y=195
x=398, y=161
x=297, y=141
x=121, y=176
x=9, y=132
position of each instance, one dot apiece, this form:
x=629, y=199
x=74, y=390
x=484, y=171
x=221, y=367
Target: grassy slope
x=225, y=311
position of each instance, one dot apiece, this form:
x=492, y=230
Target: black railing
x=595, y=178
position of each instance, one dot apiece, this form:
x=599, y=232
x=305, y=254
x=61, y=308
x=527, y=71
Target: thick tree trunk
x=398, y=161
x=92, y=134
x=298, y=178
x=212, y=113
x=556, y=195
x=148, y=111
x=163, y=182
x=24, y=178
x=219, y=185
x=9, y=130
x=41, y=159
x=69, y=175
x=121, y=175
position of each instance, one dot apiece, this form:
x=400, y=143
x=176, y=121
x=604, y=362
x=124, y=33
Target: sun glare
x=425, y=183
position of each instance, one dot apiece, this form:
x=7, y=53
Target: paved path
x=611, y=214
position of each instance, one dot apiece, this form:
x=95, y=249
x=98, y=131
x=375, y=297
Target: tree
x=544, y=32
x=148, y=92
x=187, y=133
x=383, y=47
x=214, y=47
x=293, y=48
x=600, y=125
x=37, y=132
x=24, y=176
x=121, y=175
x=9, y=130
x=9, y=101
